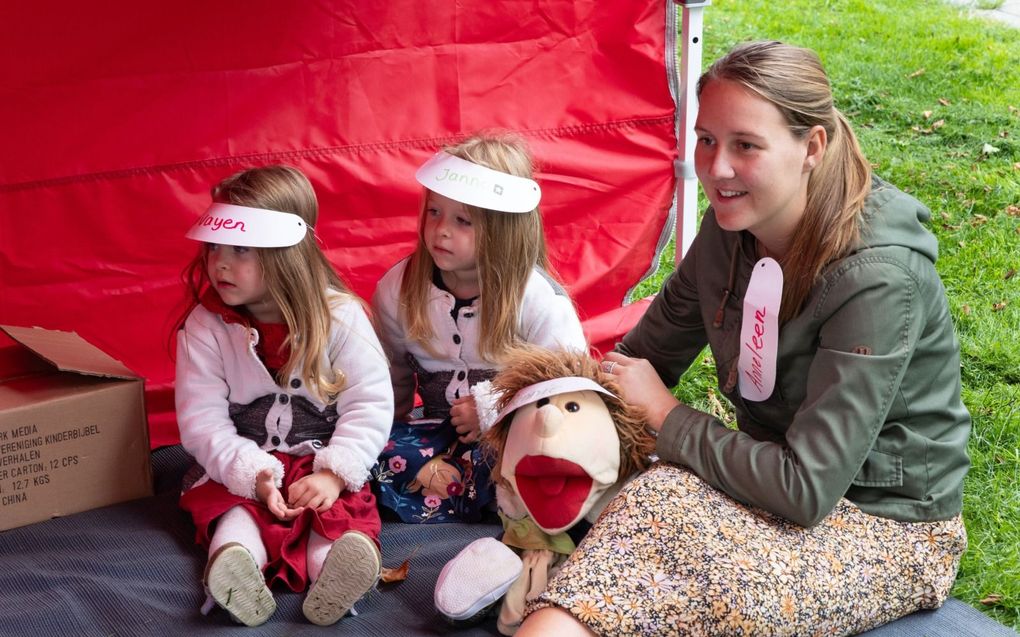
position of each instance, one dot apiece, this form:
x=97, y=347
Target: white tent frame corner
x=690, y=54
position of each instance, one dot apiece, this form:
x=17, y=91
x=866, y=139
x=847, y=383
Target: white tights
x=237, y=525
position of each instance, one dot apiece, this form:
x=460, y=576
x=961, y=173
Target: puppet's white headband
x=475, y=185
x=232, y=225
x=547, y=388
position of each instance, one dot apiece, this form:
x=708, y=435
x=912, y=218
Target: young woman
x=836, y=505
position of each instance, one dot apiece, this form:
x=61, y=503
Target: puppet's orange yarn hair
x=528, y=365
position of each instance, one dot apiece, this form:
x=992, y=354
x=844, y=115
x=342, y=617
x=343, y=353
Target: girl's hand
x=268, y=494
x=464, y=418
x=641, y=386
x=318, y=490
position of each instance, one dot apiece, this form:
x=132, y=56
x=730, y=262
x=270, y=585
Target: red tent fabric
x=120, y=116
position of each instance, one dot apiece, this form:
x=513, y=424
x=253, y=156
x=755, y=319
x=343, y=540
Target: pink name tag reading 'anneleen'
x=759, y=332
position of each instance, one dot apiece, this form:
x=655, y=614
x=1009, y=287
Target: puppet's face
x=561, y=454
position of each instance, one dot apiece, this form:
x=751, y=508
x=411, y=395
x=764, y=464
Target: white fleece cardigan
x=219, y=371
x=548, y=319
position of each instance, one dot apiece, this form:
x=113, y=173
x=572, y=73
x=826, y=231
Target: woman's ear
x=817, y=141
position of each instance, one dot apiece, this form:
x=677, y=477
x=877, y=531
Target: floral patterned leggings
x=673, y=556
x=425, y=475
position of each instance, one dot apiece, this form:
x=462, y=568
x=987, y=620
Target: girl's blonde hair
x=793, y=80
x=508, y=246
x=296, y=277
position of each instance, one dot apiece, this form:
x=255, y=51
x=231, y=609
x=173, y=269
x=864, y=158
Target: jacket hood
x=891, y=217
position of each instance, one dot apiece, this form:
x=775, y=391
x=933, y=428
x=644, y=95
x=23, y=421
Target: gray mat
x=133, y=569
x=954, y=619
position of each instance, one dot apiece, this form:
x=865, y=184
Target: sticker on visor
x=546, y=388
x=479, y=186
x=232, y=225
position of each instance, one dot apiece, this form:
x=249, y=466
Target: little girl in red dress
x=284, y=399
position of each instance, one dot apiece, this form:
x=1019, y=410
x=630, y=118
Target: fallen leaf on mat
x=399, y=574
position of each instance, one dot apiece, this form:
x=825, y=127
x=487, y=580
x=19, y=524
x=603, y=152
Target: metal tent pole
x=690, y=70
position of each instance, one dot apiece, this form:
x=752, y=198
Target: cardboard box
x=73, y=434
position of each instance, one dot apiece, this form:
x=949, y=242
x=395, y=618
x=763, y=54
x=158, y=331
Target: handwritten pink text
x=218, y=223
x=755, y=345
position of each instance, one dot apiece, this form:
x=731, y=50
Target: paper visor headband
x=547, y=388
x=232, y=225
x=475, y=185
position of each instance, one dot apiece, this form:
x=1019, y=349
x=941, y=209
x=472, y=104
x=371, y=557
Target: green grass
x=989, y=4
x=935, y=99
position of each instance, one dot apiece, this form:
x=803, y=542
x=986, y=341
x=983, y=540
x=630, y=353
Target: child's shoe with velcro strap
x=351, y=569
x=235, y=582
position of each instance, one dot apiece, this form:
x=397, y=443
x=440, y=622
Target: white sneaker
x=236, y=583
x=351, y=569
x=476, y=578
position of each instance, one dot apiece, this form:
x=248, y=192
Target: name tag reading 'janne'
x=759, y=331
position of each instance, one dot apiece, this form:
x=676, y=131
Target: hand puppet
x=563, y=443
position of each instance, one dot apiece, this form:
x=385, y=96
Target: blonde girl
x=284, y=400
x=475, y=286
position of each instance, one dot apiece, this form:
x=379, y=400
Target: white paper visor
x=547, y=388
x=479, y=186
x=232, y=225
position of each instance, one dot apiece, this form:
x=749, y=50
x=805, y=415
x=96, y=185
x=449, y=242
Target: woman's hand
x=641, y=386
x=464, y=418
x=318, y=490
x=268, y=494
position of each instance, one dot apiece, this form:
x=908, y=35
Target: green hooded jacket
x=866, y=402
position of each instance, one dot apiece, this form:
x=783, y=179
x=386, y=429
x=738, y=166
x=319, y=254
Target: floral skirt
x=426, y=475
x=673, y=556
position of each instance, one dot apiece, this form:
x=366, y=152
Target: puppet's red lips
x=553, y=489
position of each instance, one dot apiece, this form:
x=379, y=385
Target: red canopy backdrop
x=118, y=117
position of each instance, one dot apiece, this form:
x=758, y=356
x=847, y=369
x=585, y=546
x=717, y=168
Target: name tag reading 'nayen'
x=759, y=332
